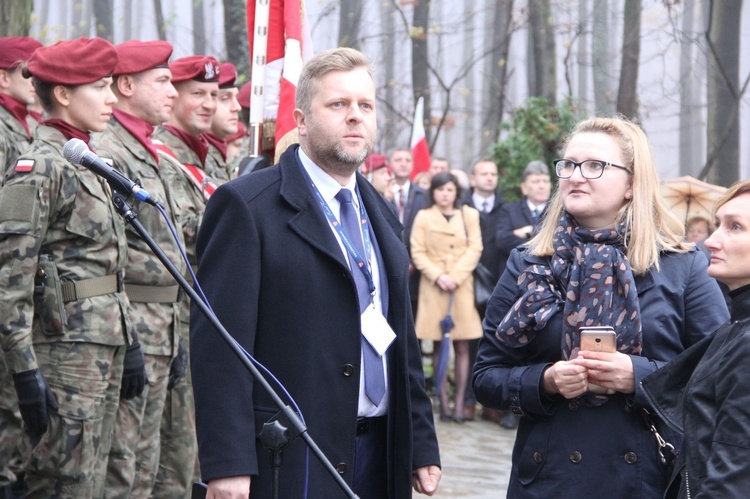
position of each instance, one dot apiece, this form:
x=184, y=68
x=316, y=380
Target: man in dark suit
x=408, y=198
x=484, y=197
x=304, y=265
x=517, y=223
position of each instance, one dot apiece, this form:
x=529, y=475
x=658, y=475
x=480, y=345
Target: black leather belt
x=365, y=425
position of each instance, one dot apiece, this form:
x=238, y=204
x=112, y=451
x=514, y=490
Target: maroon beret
x=374, y=162
x=16, y=49
x=195, y=67
x=244, y=96
x=74, y=62
x=227, y=75
x=135, y=56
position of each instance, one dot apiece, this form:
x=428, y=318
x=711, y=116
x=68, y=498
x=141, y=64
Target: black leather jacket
x=705, y=393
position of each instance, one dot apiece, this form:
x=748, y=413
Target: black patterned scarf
x=599, y=291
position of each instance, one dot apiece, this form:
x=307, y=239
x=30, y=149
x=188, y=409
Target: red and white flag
x=289, y=46
x=419, y=149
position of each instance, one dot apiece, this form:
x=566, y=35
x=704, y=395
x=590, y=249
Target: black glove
x=34, y=397
x=178, y=367
x=134, y=372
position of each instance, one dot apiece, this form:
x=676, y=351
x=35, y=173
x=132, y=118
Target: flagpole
x=258, y=76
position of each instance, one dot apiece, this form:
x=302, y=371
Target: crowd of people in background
x=96, y=392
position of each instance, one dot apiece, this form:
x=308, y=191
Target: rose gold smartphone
x=598, y=339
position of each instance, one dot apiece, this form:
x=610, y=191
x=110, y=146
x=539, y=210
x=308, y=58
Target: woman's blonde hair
x=647, y=220
x=737, y=189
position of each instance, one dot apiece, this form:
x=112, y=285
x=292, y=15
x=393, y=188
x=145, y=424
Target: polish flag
x=418, y=144
x=289, y=46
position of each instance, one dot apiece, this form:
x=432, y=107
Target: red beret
x=16, y=49
x=135, y=56
x=74, y=62
x=374, y=162
x=244, y=96
x=196, y=67
x=227, y=75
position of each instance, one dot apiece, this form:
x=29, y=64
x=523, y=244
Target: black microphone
x=76, y=151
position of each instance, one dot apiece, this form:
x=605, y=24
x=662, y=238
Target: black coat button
x=341, y=468
x=630, y=457
x=575, y=457
x=573, y=405
x=538, y=457
x=347, y=370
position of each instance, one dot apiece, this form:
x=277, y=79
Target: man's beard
x=341, y=161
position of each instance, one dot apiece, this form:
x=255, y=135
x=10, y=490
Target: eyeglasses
x=590, y=169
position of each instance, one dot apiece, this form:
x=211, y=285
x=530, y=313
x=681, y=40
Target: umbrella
x=446, y=325
x=688, y=197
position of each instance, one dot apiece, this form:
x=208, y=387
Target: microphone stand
x=285, y=425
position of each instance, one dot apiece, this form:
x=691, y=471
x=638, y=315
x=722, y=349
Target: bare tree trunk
x=627, y=94
x=496, y=70
x=199, y=28
x=583, y=66
x=104, y=19
x=349, y=21
x=600, y=59
x=159, y=14
x=81, y=19
x=15, y=17
x=420, y=59
x=470, y=129
x=690, y=145
x=540, y=20
x=235, y=35
x=723, y=131
x=389, y=135
x=127, y=25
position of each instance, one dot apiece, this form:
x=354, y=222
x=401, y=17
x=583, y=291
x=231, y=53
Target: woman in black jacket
x=705, y=392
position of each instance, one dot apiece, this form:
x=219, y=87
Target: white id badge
x=376, y=330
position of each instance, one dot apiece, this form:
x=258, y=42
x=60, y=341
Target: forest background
x=500, y=78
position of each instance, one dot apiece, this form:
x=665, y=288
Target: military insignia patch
x=24, y=165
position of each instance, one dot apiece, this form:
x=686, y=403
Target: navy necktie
x=373, y=365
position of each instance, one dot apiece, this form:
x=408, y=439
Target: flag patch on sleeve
x=24, y=165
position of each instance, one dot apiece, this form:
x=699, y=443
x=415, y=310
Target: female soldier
x=62, y=250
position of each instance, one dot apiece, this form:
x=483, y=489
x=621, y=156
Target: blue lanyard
x=350, y=248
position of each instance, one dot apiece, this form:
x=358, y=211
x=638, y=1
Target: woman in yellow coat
x=446, y=243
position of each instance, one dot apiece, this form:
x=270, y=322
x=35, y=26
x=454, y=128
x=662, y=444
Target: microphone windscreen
x=74, y=150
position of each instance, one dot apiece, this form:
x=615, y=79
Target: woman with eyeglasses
x=604, y=256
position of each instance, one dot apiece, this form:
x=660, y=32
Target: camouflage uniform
x=178, y=461
x=216, y=166
x=60, y=234
x=13, y=141
x=154, y=313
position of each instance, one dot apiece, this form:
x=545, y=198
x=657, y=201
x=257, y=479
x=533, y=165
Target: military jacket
x=13, y=140
x=156, y=321
x=57, y=224
x=216, y=166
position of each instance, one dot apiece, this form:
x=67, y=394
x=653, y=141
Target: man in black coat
x=408, y=198
x=519, y=220
x=276, y=272
x=484, y=197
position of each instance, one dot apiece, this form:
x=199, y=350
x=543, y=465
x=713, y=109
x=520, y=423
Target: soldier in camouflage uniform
x=182, y=145
x=16, y=94
x=63, y=322
x=144, y=99
x=224, y=125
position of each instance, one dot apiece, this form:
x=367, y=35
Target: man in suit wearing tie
x=518, y=222
x=484, y=197
x=408, y=198
x=304, y=265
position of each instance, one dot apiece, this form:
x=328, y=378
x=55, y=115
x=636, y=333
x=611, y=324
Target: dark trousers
x=370, y=479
